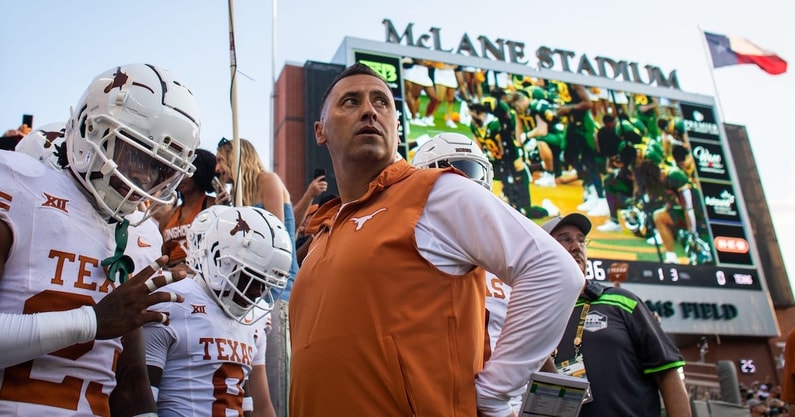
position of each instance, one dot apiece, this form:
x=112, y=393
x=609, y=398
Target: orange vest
x=376, y=329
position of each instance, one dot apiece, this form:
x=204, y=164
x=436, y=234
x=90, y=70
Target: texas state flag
x=731, y=50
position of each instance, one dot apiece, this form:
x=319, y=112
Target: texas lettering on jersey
x=220, y=349
x=82, y=277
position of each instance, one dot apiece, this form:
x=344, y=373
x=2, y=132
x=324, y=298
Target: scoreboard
x=714, y=284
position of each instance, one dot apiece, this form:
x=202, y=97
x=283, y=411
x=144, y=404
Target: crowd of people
x=135, y=282
x=766, y=399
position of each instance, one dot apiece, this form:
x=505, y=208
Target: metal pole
x=273, y=83
x=238, y=197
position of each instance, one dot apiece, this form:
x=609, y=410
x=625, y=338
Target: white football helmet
x=43, y=143
x=132, y=138
x=196, y=250
x=246, y=260
x=456, y=150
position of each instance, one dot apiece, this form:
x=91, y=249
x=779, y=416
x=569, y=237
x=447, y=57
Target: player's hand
x=125, y=308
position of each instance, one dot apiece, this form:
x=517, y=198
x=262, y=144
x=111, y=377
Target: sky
x=50, y=51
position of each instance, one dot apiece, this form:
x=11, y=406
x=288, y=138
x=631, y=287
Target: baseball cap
x=575, y=219
x=754, y=402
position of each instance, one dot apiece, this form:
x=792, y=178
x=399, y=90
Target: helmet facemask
x=246, y=294
x=126, y=170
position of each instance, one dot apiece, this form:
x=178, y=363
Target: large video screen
x=649, y=171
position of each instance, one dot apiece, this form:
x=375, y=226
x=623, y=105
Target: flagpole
x=705, y=45
x=273, y=83
x=235, y=163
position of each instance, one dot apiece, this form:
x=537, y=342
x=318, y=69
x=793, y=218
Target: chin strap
x=119, y=264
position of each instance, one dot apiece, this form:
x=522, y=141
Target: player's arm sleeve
x=158, y=339
x=545, y=280
x=28, y=336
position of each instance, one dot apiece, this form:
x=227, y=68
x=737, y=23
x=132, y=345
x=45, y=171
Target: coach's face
x=359, y=122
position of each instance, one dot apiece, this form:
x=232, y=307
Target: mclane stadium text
x=514, y=52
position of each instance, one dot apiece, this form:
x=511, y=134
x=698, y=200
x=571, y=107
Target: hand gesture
x=125, y=308
x=317, y=186
x=221, y=196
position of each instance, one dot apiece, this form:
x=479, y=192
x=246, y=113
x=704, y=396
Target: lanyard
x=578, y=336
x=586, y=307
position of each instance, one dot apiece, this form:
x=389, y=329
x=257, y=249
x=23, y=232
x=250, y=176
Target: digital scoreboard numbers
x=678, y=275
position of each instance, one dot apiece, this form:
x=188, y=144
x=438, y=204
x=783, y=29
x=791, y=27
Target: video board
x=655, y=180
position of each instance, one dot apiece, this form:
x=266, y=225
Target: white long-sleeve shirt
x=544, y=278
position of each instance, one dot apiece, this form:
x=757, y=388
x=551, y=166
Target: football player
x=199, y=362
x=683, y=217
x=580, y=149
x=539, y=120
x=493, y=126
x=64, y=302
x=673, y=132
x=646, y=109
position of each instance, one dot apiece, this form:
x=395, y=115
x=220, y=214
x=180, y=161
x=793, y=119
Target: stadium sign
x=511, y=51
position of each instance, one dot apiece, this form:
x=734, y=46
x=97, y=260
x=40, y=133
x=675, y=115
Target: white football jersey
x=205, y=355
x=497, y=295
x=54, y=264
